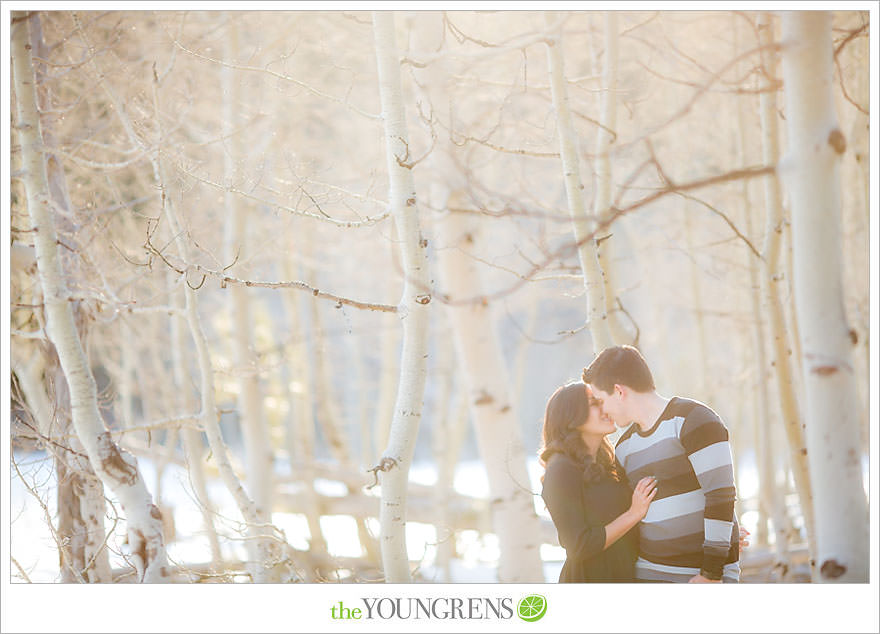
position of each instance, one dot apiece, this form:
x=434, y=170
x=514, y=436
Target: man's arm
x=705, y=439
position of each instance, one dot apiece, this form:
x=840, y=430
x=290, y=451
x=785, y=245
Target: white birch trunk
x=329, y=414
x=255, y=433
x=208, y=417
x=362, y=388
x=80, y=499
x=255, y=517
x=117, y=469
x=770, y=500
x=126, y=396
x=300, y=428
x=772, y=279
x=413, y=308
x=706, y=389
x=475, y=339
x=812, y=178
x=388, y=371
x=450, y=438
x=597, y=317
x=606, y=253
x=193, y=446
x=497, y=428
x=441, y=432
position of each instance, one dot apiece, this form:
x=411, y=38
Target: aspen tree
x=812, y=177
x=331, y=418
x=208, y=416
x=116, y=468
x=81, y=504
x=300, y=429
x=445, y=450
x=770, y=502
x=258, y=452
x=574, y=189
x=413, y=308
x=772, y=278
x=499, y=439
x=193, y=446
x=475, y=337
x=389, y=357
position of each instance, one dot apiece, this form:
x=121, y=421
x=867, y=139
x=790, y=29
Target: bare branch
x=615, y=213
x=368, y=221
x=726, y=219
x=277, y=75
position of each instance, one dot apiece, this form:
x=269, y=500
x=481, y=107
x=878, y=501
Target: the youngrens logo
x=530, y=608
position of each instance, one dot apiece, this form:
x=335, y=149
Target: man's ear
x=622, y=389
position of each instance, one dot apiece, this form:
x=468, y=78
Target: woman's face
x=596, y=424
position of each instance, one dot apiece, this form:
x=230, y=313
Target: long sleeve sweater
x=690, y=527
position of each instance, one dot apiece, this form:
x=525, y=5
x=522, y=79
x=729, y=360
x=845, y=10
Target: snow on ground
x=34, y=548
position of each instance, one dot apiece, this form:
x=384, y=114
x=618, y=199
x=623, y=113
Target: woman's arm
x=581, y=538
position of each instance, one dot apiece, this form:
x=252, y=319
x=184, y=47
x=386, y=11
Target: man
x=690, y=533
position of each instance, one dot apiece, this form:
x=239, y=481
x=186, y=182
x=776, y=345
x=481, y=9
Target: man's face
x=611, y=405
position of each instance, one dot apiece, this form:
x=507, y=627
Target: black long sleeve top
x=580, y=508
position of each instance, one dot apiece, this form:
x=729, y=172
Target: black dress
x=581, y=505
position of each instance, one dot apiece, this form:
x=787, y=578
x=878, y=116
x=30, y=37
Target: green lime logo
x=532, y=608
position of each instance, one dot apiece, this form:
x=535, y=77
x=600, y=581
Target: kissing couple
x=657, y=507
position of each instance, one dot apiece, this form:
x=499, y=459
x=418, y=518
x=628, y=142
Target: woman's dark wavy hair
x=567, y=410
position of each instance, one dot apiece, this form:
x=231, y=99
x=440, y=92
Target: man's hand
x=702, y=579
x=743, y=537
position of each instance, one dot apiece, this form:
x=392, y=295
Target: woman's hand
x=643, y=494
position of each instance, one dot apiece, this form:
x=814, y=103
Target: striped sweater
x=690, y=527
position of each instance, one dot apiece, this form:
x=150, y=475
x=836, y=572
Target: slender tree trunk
x=475, y=339
x=331, y=419
x=300, y=429
x=81, y=501
x=706, y=388
x=606, y=253
x=445, y=455
x=583, y=225
x=258, y=451
x=326, y=402
x=772, y=279
x=450, y=439
x=769, y=498
x=208, y=414
x=812, y=178
x=193, y=445
x=257, y=518
x=497, y=429
x=389, y=360
x=117, y=469
x=413, y=308
x=605, y=139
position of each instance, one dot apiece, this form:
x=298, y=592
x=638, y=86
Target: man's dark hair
x=622, y=365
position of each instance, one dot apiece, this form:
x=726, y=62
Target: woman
x=586, y=490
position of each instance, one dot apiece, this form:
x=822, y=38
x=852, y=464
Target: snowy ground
x=33, y=546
